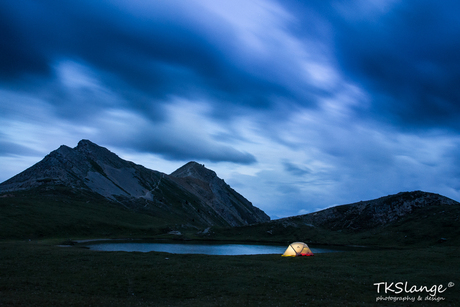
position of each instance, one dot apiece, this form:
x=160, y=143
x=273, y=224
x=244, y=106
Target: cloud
x=8, y=148
x=295, y=169
x=137, y=56
x=147, y=51
x=16, y=56
x=185, y=134
x=407, y=59
x=298, y=104
x=242, y=54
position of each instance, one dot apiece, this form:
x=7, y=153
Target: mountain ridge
x=365, y=215
x=413, y=218
x=91, y=167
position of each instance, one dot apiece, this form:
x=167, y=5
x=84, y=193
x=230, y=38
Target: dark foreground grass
x=41, y=274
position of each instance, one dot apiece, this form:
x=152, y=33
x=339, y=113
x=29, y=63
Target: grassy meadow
x=35, y=271
x=40, y=273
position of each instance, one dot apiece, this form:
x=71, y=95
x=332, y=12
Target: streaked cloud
x=298, y=105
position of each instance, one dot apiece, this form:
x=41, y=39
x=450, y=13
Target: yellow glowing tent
x=297, y=249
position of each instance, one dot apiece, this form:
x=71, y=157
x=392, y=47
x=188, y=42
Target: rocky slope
x=209, y=188
x=87, y=166
x=370, y=214
x=405, y=219
x=196, y=200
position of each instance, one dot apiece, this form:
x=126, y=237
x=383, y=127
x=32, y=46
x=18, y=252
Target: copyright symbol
x=451, y=284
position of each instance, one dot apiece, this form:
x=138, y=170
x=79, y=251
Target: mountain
x=89, y=190
x=403, y=219
x=192, y=195
x=212, y=190
x=366, y=215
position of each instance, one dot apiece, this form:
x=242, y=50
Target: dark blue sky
x=298, y=105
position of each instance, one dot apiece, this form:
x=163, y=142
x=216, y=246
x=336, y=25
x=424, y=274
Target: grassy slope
x=38, y=274
x=62, y=212
x=39, y=214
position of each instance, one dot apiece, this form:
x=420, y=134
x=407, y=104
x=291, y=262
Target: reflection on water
x=208, y=249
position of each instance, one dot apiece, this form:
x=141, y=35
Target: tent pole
x=296, y=253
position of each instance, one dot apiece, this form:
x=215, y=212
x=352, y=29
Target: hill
x=192, y=197
x=366, y=215
x=406, y=218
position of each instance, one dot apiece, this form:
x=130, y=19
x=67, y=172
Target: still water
x=207, y=249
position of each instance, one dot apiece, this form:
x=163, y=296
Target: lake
x=199, y=248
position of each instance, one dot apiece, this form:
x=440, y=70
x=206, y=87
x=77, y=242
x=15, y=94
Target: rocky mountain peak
x=88, y=148
x=229, y=204
x=87, y=145
x=192, y=192
x=63, y=150
x=101, y=155
x=195, y=170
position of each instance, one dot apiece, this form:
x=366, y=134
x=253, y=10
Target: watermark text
x=425, y=293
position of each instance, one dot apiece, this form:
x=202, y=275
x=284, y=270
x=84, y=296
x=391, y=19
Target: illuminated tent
x=297, y=249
